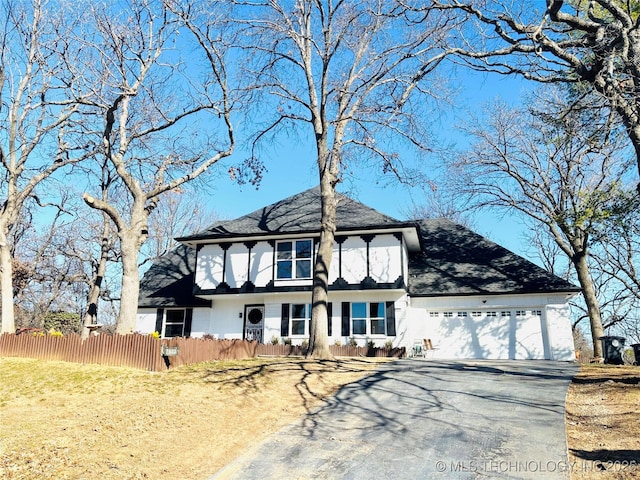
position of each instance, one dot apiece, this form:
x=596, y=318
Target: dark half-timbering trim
x=338, y=285
x=367, y=239
x=249, y=246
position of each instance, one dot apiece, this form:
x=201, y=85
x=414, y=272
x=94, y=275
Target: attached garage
x=473, y=299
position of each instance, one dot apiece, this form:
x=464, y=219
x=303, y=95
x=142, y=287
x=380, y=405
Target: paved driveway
x=425, y=419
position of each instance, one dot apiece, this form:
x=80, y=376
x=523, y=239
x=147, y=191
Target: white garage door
x=491, y=334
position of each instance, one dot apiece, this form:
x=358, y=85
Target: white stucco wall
x=146, y=320
x=261, y=264
x=354, y=260
x=209, y=265
x=384, y=258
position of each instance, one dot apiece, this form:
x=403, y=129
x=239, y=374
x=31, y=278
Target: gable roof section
x=169, y=281
x=457, y=261
x=299, y=213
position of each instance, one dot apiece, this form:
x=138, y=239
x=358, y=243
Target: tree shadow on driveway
x=429, y=419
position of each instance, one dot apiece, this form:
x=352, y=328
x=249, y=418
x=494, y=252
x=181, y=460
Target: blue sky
x=291, y=169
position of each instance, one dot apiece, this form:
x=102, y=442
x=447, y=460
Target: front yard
x=70, y=421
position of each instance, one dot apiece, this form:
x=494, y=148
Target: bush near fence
x=145, y=351
x=336, y=350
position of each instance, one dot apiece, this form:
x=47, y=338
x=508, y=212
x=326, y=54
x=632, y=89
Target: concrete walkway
x=426, y=419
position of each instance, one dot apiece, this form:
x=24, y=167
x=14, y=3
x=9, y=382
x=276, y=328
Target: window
x=536, y=312
x=174, y=325
x=434, y=314
x=521, y=313
x=476, y=314
x=368, y=318
x=505, y=313
x=491, y=314
x=293, y=259
x=300, y=315
x=448, y=314
x=462, y=314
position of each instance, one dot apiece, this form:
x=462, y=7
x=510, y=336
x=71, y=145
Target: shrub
x=63, y=322
x=286, y=341
x=275, y=340
x=337, y=343
x=353, y=342
x=388, y=344
x=155, y=334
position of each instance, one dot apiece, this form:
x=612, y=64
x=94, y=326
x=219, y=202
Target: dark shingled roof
x=454, y=260
x=169, y=281
x=457, y=261
x=297, y=214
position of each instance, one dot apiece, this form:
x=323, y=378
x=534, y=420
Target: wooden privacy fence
x=137, y=351
x=194, y=350
x=149, y=353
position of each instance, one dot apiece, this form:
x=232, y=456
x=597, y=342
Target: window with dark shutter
x=391, y=319
x=284, y=321
x=159, y=318
x=346, y=307
x=188, y=320
x=329, y=318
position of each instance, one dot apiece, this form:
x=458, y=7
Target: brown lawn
x=69, y=421
x=603, y=423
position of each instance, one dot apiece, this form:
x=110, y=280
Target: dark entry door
x=254, y=322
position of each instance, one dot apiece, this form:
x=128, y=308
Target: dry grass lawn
x=68, y=421
x=603, y=423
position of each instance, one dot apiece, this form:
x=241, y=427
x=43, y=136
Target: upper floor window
x=293, y=259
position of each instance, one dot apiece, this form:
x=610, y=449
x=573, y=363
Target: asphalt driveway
x=425, y=419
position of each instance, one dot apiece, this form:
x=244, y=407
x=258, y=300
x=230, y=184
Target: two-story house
x=390, y=282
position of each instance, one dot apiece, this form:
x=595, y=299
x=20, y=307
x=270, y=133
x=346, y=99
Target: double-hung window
x=368, y=318
x=300, y=315
x=293, y=259
x=174, y=323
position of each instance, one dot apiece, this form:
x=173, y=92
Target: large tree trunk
x=91, y=315
x=129, y=244
x=6, y=281
x=319, y=336
x=593, y=307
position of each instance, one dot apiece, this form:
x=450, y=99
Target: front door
x=254, y=322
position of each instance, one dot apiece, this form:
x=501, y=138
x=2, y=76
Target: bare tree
x=346, y=72
x=594, y=43
x=46, y=277
x=618, y=261
x=179, y=212
x=164, y=120
x=561, y=167
x=39, y=97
